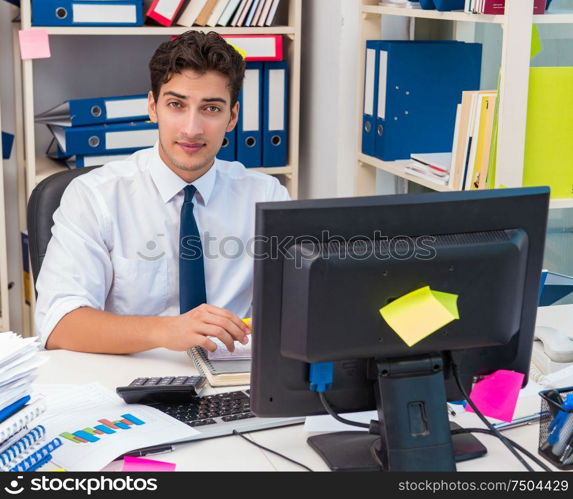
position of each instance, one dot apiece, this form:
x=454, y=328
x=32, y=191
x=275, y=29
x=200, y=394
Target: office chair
x=43, y=202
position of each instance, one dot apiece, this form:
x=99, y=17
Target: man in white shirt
x=121, y=272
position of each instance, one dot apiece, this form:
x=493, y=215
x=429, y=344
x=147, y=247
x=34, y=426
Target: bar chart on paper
x=106, y=427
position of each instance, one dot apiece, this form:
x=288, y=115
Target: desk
x=233, y=453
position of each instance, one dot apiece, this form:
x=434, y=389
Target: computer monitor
x=324, y=268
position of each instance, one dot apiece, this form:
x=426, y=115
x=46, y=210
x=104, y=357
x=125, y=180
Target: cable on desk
x=338, y=418
x=523, y=450
x=235, y=432
x=492, y=428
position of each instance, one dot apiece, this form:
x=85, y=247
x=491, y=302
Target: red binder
x=164, y=11
x=259, y=47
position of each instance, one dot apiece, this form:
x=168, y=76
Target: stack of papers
x=432, y=166
x=18, y=365
x=95, y=426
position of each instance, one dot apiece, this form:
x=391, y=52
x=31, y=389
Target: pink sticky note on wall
x=34, y=44
x=139, y=464
x=496, y=396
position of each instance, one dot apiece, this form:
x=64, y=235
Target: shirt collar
x=169, y=184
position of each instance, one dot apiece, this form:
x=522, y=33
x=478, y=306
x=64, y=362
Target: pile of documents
x=91, y=132
x=23, y=444
x=431, y=166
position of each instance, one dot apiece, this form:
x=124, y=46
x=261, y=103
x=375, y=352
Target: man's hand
x=193, y=329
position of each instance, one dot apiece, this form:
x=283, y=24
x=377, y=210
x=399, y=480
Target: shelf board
x=46, y=167
x=155, y=30
x=432, y=14
x=556, y=204
x=554, y=17
x=551, y=17
x=397, y=168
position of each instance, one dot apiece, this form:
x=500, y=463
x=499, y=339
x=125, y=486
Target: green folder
x=549, y=138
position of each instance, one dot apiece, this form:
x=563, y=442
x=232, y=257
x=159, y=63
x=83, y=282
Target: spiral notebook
x=20, y=419
x=221, y=372
x=21, y=446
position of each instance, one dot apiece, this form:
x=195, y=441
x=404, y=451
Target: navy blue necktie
x=191, y=270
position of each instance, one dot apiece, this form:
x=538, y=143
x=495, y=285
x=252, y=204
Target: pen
x=518, y=422
x=148, y=451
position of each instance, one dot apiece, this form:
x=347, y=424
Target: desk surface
x=233, y=453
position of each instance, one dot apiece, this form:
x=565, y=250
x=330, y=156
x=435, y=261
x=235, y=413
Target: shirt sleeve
x=76, y=271
x=277, y=192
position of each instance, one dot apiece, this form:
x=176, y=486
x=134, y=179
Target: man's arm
x=76, y=277
x=95, y=331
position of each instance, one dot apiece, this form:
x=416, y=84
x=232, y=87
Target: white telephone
x=552, y=350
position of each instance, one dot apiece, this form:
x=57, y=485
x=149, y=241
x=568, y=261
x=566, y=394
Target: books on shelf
x=236, y=13
x=497, y=7
x=432, y=166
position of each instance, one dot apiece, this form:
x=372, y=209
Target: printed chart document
x=96, y=426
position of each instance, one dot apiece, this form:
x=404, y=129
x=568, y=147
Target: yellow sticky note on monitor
x=420, y=313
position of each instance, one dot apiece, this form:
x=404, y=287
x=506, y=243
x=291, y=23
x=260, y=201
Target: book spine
x=494, y=7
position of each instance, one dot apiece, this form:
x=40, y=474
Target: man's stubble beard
x=185, y=168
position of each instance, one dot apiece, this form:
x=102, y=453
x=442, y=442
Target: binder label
x=251, y=102
x=382, y=84
x=277, y=86
x=126, y=108
x=104, y=14
x=167, y=8
x=131, y=140
x=369, y=84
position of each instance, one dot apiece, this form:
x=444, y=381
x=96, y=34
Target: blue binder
x=78, y=112
x=228, y=151
x=249, y=136
x=275, y=113
x=420, y=85
x=7, y=141
x=371, y=77
x=87, y=12
x=109, y=139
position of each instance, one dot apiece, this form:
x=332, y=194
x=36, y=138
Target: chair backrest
x=43, y=202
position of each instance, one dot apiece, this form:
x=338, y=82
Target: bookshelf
x=513, y=93
x=4, y=302
x=35, y=167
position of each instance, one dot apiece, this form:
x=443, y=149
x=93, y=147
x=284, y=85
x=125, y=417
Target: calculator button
x=153, y=381
x=180, y=380
x=166, y=381
x=138, y=382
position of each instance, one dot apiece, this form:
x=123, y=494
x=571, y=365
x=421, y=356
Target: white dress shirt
x=115, y=240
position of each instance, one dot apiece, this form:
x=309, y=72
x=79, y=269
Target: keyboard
x=219, y=414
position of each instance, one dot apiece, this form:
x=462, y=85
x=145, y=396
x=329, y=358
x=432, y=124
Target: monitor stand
x=415, y=431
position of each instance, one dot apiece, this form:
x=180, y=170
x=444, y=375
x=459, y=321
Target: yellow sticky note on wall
x=420, y=313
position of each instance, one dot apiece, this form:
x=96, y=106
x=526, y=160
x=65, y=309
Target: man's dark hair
x=199, y=52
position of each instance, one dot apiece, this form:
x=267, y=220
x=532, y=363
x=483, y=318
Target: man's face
x=193, y=113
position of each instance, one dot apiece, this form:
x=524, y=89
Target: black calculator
x=162, y=390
